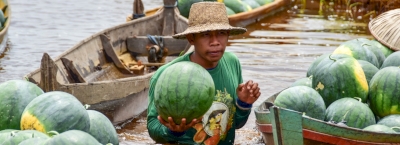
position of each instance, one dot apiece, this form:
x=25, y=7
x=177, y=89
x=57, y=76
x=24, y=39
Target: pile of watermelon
x=232, y=6
x=359, y=83
x=30, y=116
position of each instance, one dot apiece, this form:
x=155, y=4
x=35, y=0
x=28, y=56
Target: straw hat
x=208, y=16
x=386, y=29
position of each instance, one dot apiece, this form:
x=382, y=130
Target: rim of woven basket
x=385, y=28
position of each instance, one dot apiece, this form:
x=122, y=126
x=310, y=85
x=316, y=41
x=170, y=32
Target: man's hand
x=248, y=92
x=180, y=127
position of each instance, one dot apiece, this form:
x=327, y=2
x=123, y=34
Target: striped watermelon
x=390, y=121
x=354, y=112
x=392, y=60
x=340, y=76
x=355, y=49
x=379, y=128
x=384, y=95
x=15, y=95
x=302, y=99
x=311, y=69
x=184, y=90
x=72, y=137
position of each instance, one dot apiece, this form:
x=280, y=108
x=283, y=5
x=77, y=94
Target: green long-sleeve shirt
x=223, y=114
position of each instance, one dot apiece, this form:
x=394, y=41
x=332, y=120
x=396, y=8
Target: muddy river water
x=275, y=51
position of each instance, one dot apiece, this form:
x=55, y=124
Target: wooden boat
x=245, y=18
x=111, y=70
x=4, y=29
x=283, y=126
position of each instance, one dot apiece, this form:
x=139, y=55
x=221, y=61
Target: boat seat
x=138, y=45
x=109, y=50
x=73, y=75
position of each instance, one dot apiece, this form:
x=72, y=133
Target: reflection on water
x=274, y=52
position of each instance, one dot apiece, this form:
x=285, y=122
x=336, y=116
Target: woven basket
x=386, y=29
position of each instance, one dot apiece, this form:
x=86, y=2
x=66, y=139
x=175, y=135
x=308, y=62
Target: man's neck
x=197, y=59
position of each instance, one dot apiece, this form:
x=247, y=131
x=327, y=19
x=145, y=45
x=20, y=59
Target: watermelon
x=33, y=141
x=229, y=11
x=101, y=128
x=252, y=3
x=369, y=69
x=302, y=99
x=184, y=90
x=314, y=64
x=7, y=134
x=263, y=2
x=354, y=112
x=340, y=76
x=355, y=49
x=379, y=128
x=72, y=137
x=384, y=96
x=385, y=50
x=55, y=111
x=392, y=60
x=20, y=136
x=380, y=56
x=185, y=5
x=303, y=82
x=237, y=6
x=390, y=120
x=14, y=97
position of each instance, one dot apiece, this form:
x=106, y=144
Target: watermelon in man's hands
x=184, y=90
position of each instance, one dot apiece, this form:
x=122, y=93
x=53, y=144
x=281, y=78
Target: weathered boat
x=245, y=18
x=283, y=126
x=5, y=8
x=111, y=70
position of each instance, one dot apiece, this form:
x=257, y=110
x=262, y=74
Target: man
x=208, y=31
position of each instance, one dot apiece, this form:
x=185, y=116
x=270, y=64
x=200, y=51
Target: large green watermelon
x=371, y=45
x=311, y=69
x=354, y=112
x=386, y=51
x=355, y=49
x=20, y=136
x=392, y=60
x=369, y=69
x=384, y=94
x=263, y=2
x=339, y=76
x=55, y=111
x=379, y=128
x=185, y=5
x=303, y=82
x=72, y=137
x=34, y=141
x=237, y=6
x=14, y=97
x=101, y=128
x=390, y=120
x=252, y=3
x=302, y=99
x=184, y=90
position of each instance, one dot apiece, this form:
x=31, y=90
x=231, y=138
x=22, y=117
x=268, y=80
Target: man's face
x=209, y=45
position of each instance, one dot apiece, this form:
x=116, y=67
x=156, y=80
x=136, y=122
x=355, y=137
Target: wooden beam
x=138, y=44
x=73, y=75
x=169, y=18
x=109, y=50
x=48, y=74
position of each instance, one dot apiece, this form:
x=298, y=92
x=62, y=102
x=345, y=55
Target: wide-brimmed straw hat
x=386, y=29
x=208, y=16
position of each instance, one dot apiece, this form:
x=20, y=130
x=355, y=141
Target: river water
x=274, y=52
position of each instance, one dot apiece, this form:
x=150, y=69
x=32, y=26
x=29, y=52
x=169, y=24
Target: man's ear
x=190, y=38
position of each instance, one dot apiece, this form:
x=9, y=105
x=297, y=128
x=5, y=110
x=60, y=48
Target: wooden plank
x=168, y=25
x=73, y=75
x=48, y=73
x=287, y=127
x=108, y=48
x=137, y=45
